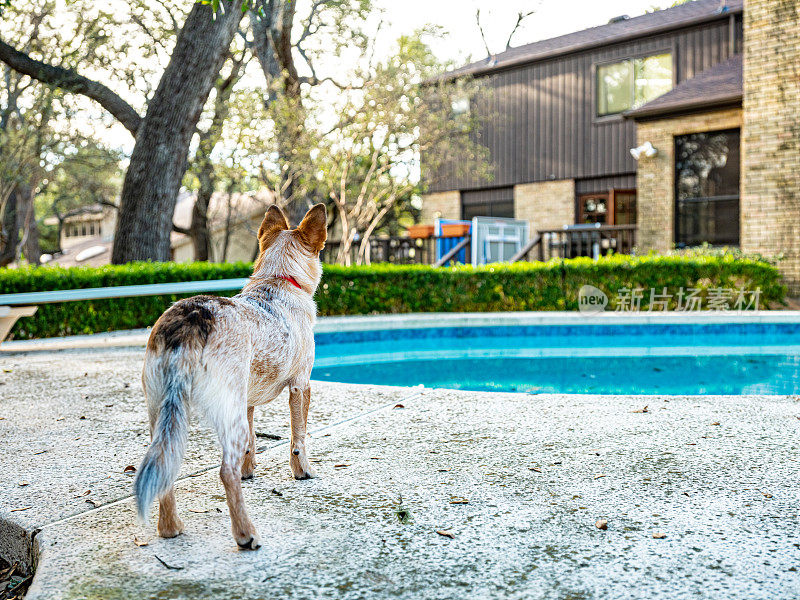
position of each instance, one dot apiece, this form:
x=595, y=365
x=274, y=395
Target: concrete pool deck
x=518, y=480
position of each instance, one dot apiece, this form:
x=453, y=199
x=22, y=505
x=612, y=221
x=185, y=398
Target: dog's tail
x=162, y=462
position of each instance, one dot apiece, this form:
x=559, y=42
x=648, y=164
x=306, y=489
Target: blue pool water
x=576, y=359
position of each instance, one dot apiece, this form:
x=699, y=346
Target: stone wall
x=545, y=204
x=446, y=205
x=655, y=176
x=771, y=134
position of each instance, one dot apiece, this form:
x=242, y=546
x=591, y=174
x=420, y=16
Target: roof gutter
x=658, y=112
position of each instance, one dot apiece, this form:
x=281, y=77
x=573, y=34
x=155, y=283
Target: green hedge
x=392, y=289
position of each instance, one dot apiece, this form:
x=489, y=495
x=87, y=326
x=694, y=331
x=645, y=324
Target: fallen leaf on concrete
x=8, y=370
x=276, y=492
x=173, y=567
x=140, y=542
x=443, y=470
x=445, y=533
x=39, y=452
x=94, y=503
x=82, y=494
x=21, y=509
x=399, y=406
x=376, y=458
x=129, y=470
x=599, y=476
x=657, y=535
x=766, y=495
x=197, y=510
x=341, y=466
x=459, y=501
x=23, y=483
x=641, y=410
x=601, y=524
x=268, y=436
x=715, y=423
x=535, y=469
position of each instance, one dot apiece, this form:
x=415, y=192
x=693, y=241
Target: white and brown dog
x=222, y=357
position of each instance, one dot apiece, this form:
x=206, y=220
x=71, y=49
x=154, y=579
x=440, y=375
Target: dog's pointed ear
x=313, y=230
x=274, y=221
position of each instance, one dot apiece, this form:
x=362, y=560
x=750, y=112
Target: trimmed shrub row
x=395, y=289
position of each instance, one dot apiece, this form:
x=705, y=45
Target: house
x=233, y=220
x=710, y=89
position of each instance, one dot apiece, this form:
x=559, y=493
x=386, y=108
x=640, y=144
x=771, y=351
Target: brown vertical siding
x=542, y=122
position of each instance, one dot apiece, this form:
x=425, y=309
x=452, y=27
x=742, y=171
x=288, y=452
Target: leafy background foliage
x=381, y=289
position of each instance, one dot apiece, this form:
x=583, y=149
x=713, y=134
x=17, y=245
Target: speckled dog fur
x=222, y=357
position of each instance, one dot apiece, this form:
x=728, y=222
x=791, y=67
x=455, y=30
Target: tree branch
x=70, y=81
x=520, y=18
x=480, y=29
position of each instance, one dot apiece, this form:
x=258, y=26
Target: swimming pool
x=558, y=353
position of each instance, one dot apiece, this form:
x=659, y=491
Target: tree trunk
x=272, y=45
x=30, y=231
x=9, y=236
x=198, y=230
x=159, y=158
x=204, y=165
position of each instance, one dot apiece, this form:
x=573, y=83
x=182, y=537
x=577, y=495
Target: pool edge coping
x=138, y=337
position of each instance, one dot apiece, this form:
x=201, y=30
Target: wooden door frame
x=611, y=203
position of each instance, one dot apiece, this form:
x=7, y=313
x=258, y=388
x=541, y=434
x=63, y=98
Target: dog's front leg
x=249, y=463
x=299, y=401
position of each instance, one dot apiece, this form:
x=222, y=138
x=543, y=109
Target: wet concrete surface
x=517, y=480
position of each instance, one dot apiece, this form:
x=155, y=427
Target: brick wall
x=655, y=177
x=771, y=134
x=545, y=204
x=446, y=205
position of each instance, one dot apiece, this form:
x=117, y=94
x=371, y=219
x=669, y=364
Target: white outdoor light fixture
x=647, y=149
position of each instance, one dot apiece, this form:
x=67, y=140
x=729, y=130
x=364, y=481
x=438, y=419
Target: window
x=460, y=105
x=707, y=188
x=632, y=82
x=488, y=203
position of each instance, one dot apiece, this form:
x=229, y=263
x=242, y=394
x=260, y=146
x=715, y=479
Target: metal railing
x=122, y=291
x=580, y=240
x=399, y=250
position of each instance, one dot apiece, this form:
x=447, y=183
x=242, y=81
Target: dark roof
x=718, y=86
x=683, y=15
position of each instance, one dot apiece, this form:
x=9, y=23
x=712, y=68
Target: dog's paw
x=170, y=530
x=304, y=474
x=250, y=541
x=298, y=463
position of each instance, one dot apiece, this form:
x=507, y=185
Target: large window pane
x=653, y=77
x=707, y=188
x=614, y=88
x=632, y=82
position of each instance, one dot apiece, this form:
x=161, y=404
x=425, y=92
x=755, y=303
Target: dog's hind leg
x=169, y=524
x=229, y=418
x=249, y=464
x=299, y=401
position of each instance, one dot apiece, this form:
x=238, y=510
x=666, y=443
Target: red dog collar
x=290, y=279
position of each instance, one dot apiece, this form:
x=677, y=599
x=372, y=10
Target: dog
x=222, y=357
